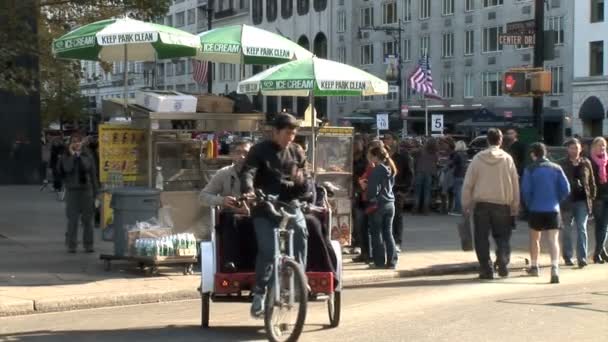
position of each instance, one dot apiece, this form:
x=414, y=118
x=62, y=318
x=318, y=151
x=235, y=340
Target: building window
x=342, y=54
x=469, y=5
x=447, y=90
x=447, y=48
x=191, y=16
x=490, y=39
x=597, y=11
x=243, y=4
x=407, y=50
x=341, y=21
x=227, y=72
x=389, y=12
x=448, y=7
x=320, y=5
x=556, y=24
x=303, y=7
x=425, y=45
x=367, y=54
x=557, y=79
x=367, y=98
x=169, y=20
x=407, y=4
x=170, y=69
x=180, y=68
x=180, y=19
x=367, y=17
x=271, y=10
x=341, y=99
x=390, y=48
x=491, y=84
x=424, y=9
x=257, y=12
x=286, y=9
x=596, y=55
x=492, y=3
x=469, y=90
x=469, y=43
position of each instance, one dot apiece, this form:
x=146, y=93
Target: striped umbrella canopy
x=314, y=76
x=125, y=39
x=244, y=44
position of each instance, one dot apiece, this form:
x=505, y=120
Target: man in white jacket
x=222, y=191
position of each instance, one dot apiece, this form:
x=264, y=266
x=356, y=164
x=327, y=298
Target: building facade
x=590, y=85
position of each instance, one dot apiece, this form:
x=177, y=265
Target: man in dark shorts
x=544, y=187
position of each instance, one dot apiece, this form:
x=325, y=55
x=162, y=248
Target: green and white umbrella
x=116, y=40
x=243, y=44
x=314, y=76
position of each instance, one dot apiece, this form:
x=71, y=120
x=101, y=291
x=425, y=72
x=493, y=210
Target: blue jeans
x=381, y=229
x=575, y=218
x=361, y=231
x=422, y=186
x=264, y=232
x=457, y=194
x=600, y=213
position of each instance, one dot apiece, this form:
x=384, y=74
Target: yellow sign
x=348, y=131
x=120, y=151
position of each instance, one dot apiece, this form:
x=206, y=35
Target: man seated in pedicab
x=235, y=227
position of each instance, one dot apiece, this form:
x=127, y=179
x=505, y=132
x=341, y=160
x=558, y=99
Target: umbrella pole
x=313, y=140
x=126, y=67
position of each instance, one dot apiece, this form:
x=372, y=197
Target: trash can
x=131, y=205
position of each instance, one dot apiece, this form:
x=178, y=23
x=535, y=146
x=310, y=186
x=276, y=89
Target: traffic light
x=515, y=83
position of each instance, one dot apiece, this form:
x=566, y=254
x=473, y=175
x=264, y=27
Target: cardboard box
x=214, y=104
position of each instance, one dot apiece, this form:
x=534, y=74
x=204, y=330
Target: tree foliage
x=57, y=80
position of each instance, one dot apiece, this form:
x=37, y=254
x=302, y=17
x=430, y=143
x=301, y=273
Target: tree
x=57, y=80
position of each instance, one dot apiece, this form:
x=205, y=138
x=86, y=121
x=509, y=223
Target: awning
x=592, y=109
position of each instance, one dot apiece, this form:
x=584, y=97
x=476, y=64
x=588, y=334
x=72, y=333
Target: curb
x=16, y=307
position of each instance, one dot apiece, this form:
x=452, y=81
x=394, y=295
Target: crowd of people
x=500, y=184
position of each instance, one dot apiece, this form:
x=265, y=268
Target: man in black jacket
x=277, y=167
x=403, y=183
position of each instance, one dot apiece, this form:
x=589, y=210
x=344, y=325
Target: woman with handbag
x=599, y=161
x=381, y=207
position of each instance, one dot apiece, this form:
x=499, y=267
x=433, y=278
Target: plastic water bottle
x=160, y=180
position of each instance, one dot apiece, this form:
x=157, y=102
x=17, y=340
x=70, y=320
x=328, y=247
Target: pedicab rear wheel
x=334, y=308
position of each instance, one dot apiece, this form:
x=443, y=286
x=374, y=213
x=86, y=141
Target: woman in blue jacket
x=382, y=208
x=544, y=187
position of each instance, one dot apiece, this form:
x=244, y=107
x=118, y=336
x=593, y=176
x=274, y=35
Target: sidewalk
x=37, y=275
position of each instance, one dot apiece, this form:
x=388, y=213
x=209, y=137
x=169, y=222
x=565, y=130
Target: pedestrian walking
x=544, y=187
x=425, y=168
x=458, y=165
x=361, y=233
x=45, y=161
x=381, y=207
x=576, y=208
x=57, y=150
x=491, y=193
x=77, y=169
x=599, y=161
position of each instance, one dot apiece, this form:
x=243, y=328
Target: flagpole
x=426, y=116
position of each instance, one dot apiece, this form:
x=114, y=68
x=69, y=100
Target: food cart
x=334, y=163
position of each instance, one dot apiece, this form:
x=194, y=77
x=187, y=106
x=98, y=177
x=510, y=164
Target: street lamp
x=390, y=30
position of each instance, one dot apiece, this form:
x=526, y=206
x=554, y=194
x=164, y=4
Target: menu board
x=120, y=151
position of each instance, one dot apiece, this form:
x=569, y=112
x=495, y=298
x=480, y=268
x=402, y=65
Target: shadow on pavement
x=566, y=301
x=168, y=333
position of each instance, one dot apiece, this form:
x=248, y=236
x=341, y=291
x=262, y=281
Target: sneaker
x=89, y=250
x=554, y=275
x=257, y=306
x=398, y=249
x=568, y=262
x=486, y=275
x=503, y=271
x=582, y=263
x=72, y=250
x=533, y=271
x=453, y=213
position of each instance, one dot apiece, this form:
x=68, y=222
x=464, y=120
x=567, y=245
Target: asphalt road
x=453, y=308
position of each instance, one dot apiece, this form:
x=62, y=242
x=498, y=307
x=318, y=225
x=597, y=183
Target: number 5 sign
x=382, y=121
x=437, y=123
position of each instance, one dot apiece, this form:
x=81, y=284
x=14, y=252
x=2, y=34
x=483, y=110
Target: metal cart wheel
x=188, y=269
x=152, y=270
x=107, y=265
x=334, y=308
x=205, y=299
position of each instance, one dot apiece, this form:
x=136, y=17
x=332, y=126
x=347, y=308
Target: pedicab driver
x=277, y=167
x=234, y=225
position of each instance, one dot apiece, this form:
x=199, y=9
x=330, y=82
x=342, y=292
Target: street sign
x=517, y=38
x=393, y=89
x=521, y=26
x=405, y=110
x=437, y=123
x=382, y=121
x=508, y=114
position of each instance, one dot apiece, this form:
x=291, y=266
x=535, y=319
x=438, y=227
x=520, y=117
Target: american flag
x=421, y=80
x=199, y=71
